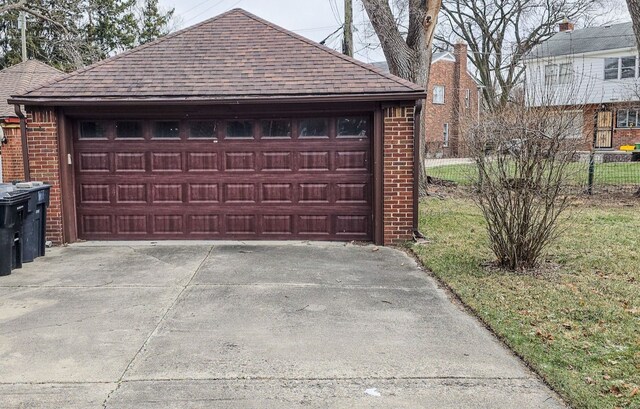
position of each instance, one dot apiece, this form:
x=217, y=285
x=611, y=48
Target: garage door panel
x=130, y=161
x=304, y=188
x=202, y=162
x=204, y=193
x=94, y=162
x=166, y=162
x=277, y=162
x=131, y=224
x=131, y=193
x=168, y=224
x=167, y=193
x=239, y=193
x=240, y=161
x=90, y=193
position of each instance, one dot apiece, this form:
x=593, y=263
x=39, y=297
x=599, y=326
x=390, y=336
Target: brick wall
x=398, y=174
x=621, y=136
x=12, y=166
x=454, y=76
x=42, y=138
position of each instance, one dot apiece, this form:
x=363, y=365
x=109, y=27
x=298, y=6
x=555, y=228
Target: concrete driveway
x=231, y=325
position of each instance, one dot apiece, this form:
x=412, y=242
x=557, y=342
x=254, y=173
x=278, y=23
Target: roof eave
x=237, y=100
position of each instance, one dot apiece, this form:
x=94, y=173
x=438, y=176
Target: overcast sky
x=314, y=19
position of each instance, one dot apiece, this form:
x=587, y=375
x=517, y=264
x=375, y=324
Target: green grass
x=606, y=174
x=577, y=324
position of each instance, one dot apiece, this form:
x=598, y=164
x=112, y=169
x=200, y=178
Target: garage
x=280, y=178
x=232, y=129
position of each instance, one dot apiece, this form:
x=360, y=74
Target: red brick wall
x=621, y=136
x=42, y=138
x=12, y=166
x=454, y=76
x=398, y=174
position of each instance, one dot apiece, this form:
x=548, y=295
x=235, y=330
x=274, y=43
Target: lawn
x=577, y=323
x=606, y=174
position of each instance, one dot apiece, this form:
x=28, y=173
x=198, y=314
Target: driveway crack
x=157, y=327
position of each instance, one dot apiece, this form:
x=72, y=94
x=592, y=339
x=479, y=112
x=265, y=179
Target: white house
x=594, y=71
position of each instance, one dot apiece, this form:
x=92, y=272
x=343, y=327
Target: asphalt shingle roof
x=232, y=56
x=20, y=78
x=586, y=40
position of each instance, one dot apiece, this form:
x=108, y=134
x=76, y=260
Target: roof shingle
x=20, y=78
x=590, y=39
x=233, y=56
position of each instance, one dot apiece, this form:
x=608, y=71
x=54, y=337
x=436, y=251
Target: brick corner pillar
x=398, y=174
x=44, y=163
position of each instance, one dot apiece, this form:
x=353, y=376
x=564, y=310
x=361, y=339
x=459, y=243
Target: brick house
x=233, y=128
x=14, y=80
x=452, y=97
x=593, y=75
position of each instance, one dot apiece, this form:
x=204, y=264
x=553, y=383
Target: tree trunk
x=411, y=58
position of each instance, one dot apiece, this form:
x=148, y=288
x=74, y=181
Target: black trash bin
x=35, y=224
x=13, y=210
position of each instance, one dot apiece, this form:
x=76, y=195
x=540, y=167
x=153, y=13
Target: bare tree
x=408, y=55
x=501, y=33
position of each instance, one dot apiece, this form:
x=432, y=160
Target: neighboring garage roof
x=586, y=40
x=20, y=78
x=234, y=57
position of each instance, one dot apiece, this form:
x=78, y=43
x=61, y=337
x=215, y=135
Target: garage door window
x=93, y=130
x=166, y=130
x=278, y=128
x=128, y=129
x=314, y=128
x=202, y=130
x=240, y=129
x=353, y=127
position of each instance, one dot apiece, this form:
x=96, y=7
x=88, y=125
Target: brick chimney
x=566, y=25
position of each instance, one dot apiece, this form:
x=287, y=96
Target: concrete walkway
x=235, y=325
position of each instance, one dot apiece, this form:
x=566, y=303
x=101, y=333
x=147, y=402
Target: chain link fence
x=599, y=173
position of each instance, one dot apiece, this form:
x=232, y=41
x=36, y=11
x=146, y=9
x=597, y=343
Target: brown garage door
x=304, y=178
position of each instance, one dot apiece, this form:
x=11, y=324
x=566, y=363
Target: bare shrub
x=523, y=157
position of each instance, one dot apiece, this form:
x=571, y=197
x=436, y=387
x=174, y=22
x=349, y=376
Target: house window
x=627, y=118
x=467, y=98
x=628, y=67
x=620, y=68
x=565, y=73
x=611, y=68
x=438, y=94
x=550, y=74
x=445, y=136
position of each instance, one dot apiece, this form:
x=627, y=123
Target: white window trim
x=434, y=100
x=445, y=136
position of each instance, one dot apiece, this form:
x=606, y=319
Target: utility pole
x=23, y=32
x=347, y=42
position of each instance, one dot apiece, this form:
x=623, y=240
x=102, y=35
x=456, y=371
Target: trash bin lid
x=5, y=189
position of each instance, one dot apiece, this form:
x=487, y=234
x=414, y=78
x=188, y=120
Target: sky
x=314, y=19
